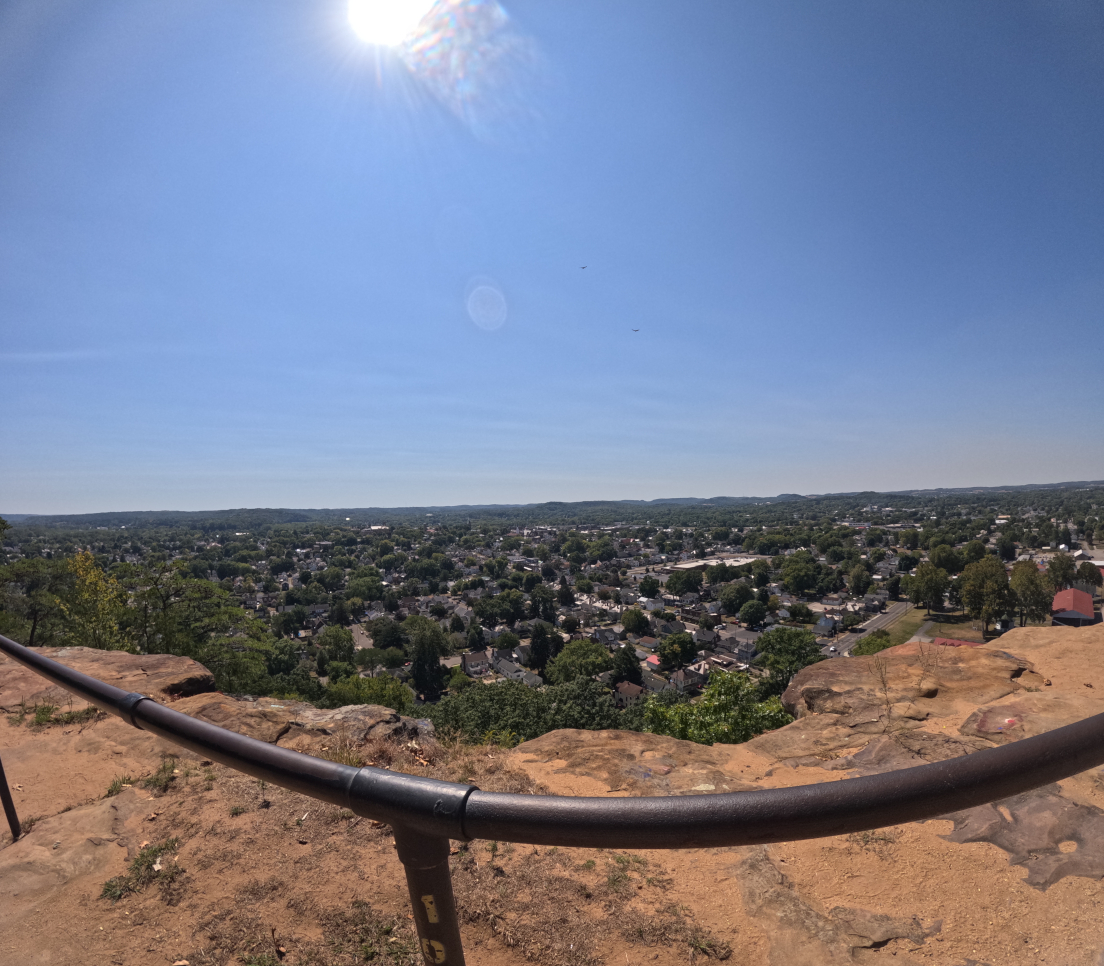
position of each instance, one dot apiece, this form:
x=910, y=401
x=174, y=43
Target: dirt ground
x=202, y=864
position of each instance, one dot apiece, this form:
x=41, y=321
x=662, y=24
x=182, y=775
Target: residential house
x=687, y=681
x=1073, y=607
x=626, y=694
x=704, y=637
x=477, y=663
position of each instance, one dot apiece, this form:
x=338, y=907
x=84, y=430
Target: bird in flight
x=636, y=330
x=584, y=266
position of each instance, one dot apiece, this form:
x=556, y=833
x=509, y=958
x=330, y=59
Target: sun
x=386, y=22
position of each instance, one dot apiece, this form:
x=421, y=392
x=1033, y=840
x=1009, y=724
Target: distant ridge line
x=272, y=515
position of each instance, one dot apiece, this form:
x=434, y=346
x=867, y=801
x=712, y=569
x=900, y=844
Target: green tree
x=784, y=651
x=29, y=596
x=753, y=613
x=626, y=666
x=800, y=573
x=511, y=606
x=542, y=604
x=95, y=608
x=427, y=646
x=458, y=680
x=929, y=585
x=387, y=633
x=649, y=587
x=985, y=590
x=282, y=658
x=684, y=582
x=579, y=659
x=946, y=558
x=1088, y=573
x=872, y=643
x=859, y=580
x=513, y=711
x=910, y=539
x=338, y=643
x=384, y=691
x=728, y=712
x=677, y=650
x=1032, y=592
x=540, y=647
x=972, y=552
x=635, y=621
x=734, y=596
x=332, y=578
x=1006, y=547
x=1062, y=571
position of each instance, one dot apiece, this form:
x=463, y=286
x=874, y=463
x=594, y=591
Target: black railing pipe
x=9, y=805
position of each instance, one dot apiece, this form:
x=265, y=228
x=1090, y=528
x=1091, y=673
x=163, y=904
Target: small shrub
x=44, y=713
x=874, y=642
x=146, y=868
x=29, y=823
x=118, y=783
x=236, y=810
x=77, y=717
x=161, y=779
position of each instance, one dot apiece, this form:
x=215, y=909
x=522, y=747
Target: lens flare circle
x=486, y=305
x=386, y=23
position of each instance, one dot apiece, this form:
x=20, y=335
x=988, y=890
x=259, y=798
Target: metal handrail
x=426, y=813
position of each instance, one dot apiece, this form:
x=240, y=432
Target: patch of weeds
x=236, y=810
x=29, y=823
x=148, y=866
x=83, y=716
x=17, y=717
x=617, y=881
x=343, y=749
x=360, y=935
x=872, y=838
x=265, y=959
x=589, y=864
x=44, y=713
x=670, y=927
x=118, y=783
x=876, y=841
x=161, y=779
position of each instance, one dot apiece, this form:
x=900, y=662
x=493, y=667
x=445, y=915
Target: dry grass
x=558, y=912
x=451, y=760
x=350, y=937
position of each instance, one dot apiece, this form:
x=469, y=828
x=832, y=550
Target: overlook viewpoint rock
x=258, y=870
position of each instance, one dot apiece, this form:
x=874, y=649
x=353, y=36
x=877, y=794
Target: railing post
x=426, y=860
x=9, y=805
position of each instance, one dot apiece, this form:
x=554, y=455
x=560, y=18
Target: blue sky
x=863, y=244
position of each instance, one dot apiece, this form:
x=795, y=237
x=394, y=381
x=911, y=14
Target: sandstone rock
x=160, y=676
x=802, y=936
x=933, y=679
x=629, y=763
x=301, y=726
x=1029, y=714
x=1033, y=828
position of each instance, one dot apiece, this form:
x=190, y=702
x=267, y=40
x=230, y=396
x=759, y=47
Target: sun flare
x=386, y=22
